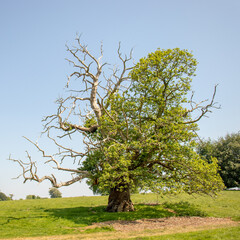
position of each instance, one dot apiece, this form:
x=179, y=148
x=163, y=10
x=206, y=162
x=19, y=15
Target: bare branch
x=85, y=72
x=204, y=109
x=88, y=69
x=29, y=169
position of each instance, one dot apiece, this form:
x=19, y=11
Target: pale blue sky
x=33, y=70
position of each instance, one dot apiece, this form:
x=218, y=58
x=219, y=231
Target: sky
x=33, y=69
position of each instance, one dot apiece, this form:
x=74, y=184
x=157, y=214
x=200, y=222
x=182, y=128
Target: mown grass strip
x=231, y=233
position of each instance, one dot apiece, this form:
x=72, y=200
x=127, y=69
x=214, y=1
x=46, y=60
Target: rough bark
x=119, y=201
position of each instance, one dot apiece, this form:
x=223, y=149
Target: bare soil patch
x=146, y=227
x=166, y=223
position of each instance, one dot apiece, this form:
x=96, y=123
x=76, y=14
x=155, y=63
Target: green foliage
x=32, y=197
x=227, y=151
x=55, y=193
x=47, y=217
x=3, y=197
x=94, y=166
x=149, y=135
x=68, y=125
x=90, y=121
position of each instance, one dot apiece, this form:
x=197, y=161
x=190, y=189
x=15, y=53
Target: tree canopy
x=32, y=197
x=227, y=151
x=4, y=197
x=138, y=126
x=55, y=193
x=150, y=135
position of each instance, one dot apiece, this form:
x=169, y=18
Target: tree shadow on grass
x=184, y=209
x=89, y=215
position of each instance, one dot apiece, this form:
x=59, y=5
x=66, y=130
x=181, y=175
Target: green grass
x=226, y=204
x=231, y=233
x=43, y=217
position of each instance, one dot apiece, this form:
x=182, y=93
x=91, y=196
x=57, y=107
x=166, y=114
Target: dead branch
x=204, y=109
x=85, y=67
x=29, y=169
x=93, y=91
x=123, y=76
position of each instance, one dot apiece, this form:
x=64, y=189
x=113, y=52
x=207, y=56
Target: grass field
x=47, y=217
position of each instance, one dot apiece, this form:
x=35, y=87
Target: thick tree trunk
x=119, y=201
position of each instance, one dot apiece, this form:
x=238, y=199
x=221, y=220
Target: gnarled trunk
x=119, y=201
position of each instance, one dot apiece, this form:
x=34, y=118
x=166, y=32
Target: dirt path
x=146, y=227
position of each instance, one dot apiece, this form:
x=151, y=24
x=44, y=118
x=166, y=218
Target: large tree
x=227, y=151
x=137, y=125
